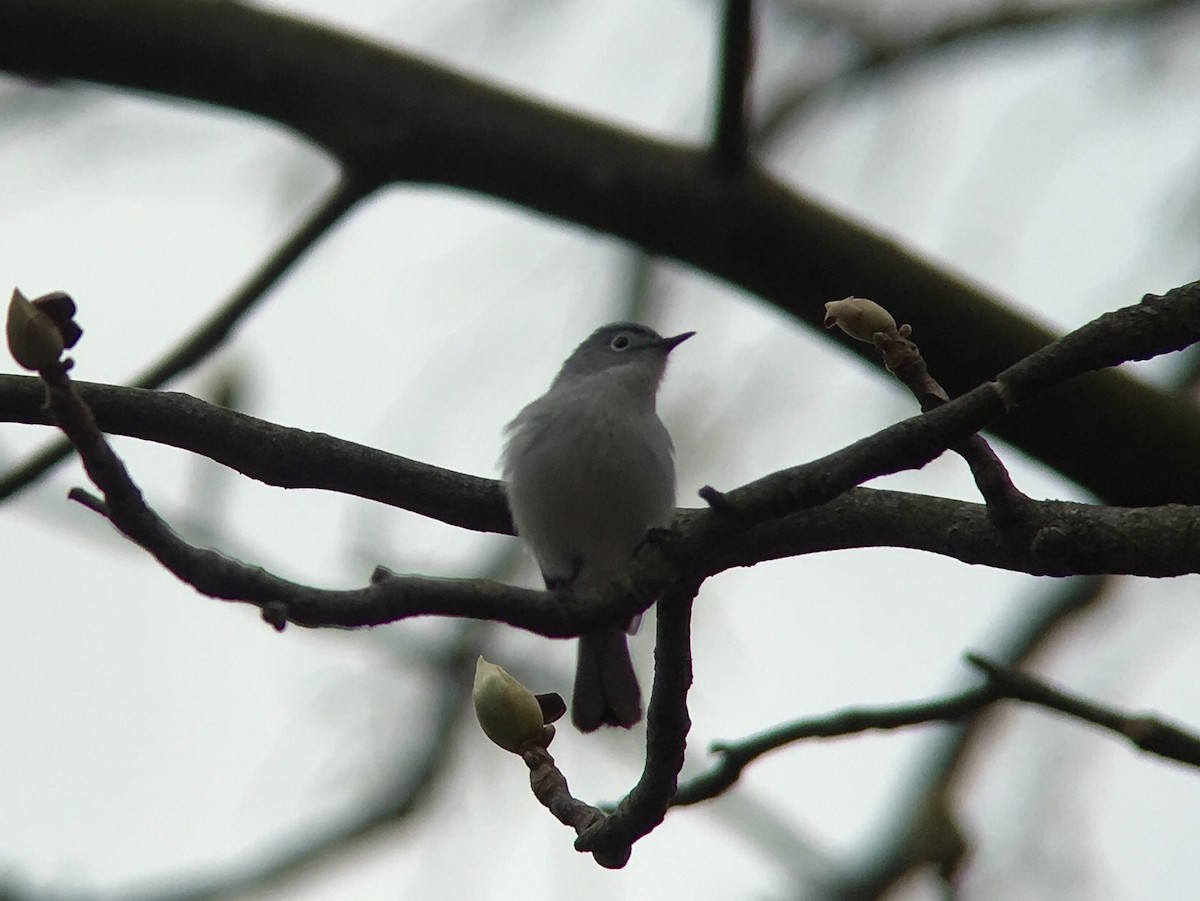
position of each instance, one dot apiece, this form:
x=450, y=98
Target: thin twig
x=1157, y=325
x=735, y=756
x=405, y=120
x=550, y=788
x=1006, y=503
x=212, y=332
x=281, y=600
x=897, y=850
x=1003, y=683
x=1149, y=733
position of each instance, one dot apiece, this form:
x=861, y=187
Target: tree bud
x=507, y=711
x=858, y=317
x=34, y=341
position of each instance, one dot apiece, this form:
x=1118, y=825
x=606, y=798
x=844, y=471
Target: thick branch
x=731, y=134
x=667, y=725
x=1055, y=538
x=389, y=117
x=735, y=756
x=275, y=454
x=1060, y=538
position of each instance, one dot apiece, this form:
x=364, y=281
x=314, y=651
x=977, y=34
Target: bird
x=589, y=470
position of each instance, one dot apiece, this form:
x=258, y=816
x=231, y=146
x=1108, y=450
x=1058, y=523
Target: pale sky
x=152, y=733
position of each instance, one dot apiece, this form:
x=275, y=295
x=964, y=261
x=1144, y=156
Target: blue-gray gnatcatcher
x=589, y=469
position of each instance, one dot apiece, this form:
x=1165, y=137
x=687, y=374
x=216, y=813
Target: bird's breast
x=586, y=481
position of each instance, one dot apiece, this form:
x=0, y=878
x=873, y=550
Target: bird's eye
x=620, y=342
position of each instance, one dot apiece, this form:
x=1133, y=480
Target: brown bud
x=61, y=309
x=34, y=341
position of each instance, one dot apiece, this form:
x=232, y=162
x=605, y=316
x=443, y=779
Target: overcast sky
x=153, y=735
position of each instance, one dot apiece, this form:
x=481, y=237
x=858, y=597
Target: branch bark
x=769, y=518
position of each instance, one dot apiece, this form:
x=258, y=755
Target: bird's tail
x=606, y=687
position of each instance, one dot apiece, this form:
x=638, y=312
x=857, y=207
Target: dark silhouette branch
x=902, y=358
x=1003, y=683
x=731, y=132
x=256, y=448
x=734, y=756
x=388, y=117
x=759, y=521
x=667, y=725
x=1147, y=733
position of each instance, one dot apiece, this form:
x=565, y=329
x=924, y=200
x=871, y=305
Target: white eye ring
x=620, y=342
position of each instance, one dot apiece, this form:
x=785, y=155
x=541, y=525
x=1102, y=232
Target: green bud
x=859, y=318
x=507, y=711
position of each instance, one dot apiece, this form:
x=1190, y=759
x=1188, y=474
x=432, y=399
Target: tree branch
x=253, y=447
x=902, y=845
x=667, y=725
x=1061, y=538
x=550, y=788
x=1156, y=326
x=1054, y=538
x=735, y=756
x=389, y=117
x=1147, y=733
x=771, y=517
x=902, y=358
x=1003, y=683
x=731, y=132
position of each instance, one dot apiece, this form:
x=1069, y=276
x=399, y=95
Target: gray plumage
x=589, y=468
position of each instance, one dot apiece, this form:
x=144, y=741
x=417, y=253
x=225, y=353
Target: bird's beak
x=669, y=344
